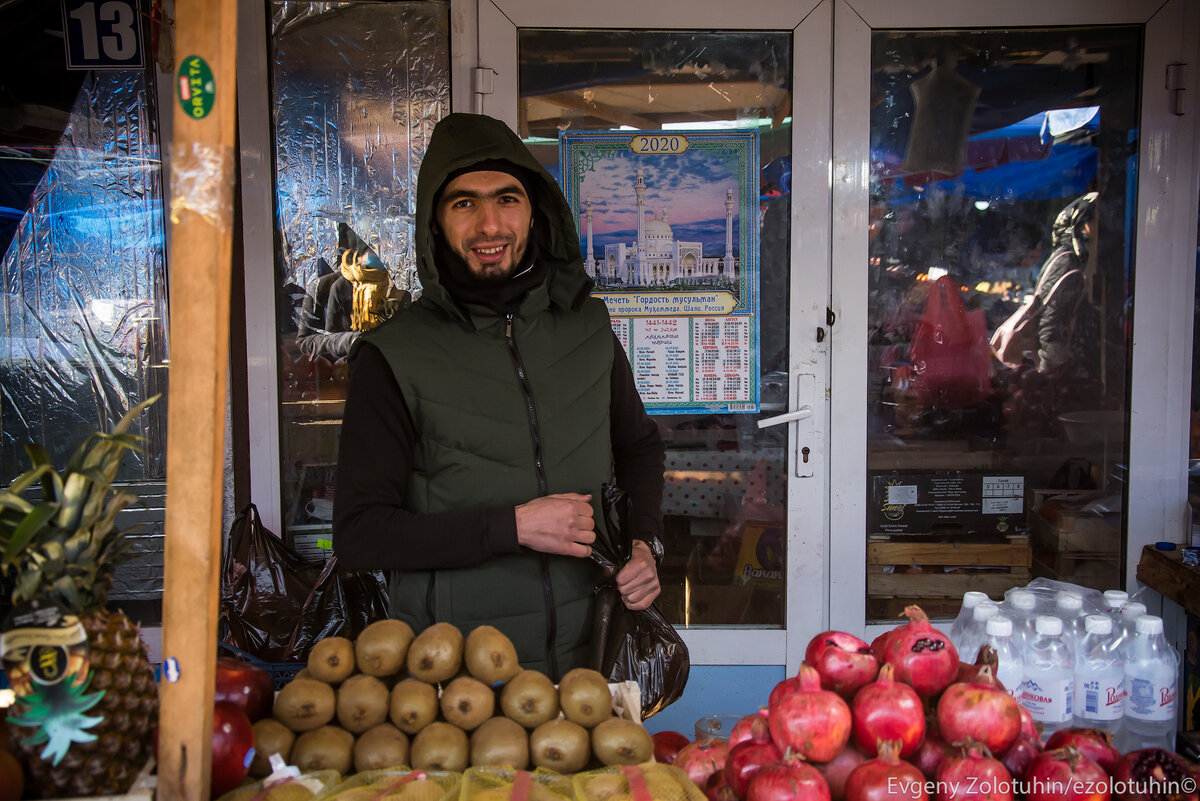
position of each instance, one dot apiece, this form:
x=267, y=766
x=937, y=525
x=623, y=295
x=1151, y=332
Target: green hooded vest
x=488, y=396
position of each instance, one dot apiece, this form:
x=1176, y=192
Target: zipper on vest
x=535, y=433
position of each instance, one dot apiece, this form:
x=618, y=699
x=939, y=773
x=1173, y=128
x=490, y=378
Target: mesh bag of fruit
x=396, y=784
x=507, y=784
x=302, y=787
x=649, y=781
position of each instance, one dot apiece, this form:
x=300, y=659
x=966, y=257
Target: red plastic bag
x=950, y=356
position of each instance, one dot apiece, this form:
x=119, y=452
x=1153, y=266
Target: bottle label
x=1047, y=699
x=1149, y=700
x=1100, y=697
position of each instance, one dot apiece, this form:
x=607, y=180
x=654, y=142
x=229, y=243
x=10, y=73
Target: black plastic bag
x=343, y=603
x=639, y=646
x=264, y=585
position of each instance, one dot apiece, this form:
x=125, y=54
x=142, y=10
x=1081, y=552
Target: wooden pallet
x=1010, y=558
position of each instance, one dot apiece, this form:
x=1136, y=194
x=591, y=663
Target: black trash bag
x=264, y=584
x=637, y=646
x=342, y=604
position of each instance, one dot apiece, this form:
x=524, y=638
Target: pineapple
x=90, y=734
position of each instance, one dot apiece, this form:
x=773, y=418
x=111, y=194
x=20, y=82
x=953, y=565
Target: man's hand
x=559, y=524
x=638, y=580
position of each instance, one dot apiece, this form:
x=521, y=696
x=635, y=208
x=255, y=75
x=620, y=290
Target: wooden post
x=202, y=163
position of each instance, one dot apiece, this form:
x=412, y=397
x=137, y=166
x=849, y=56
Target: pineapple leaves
x=30, y=526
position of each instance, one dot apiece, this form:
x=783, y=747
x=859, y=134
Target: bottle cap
x=999, y=626
x=1149, y=624
x=972, y=599
x=1115, y=598
x=1022, y=599
x=1099, y=624
x=1133, y=610
x=1164, y=545
x=1071, y=601
x=985, y=610
x=1048, y=625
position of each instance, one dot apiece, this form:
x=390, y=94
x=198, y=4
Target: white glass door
x=986, y=156
x=714, y=262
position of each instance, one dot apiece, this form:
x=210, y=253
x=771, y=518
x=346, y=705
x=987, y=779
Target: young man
x=482, y=421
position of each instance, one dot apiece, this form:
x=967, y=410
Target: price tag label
x=103, y=34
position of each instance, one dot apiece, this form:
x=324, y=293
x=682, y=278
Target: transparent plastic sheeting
x=356, y=90
x=84, y=298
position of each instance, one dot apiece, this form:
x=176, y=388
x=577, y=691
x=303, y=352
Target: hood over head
x=462, y=140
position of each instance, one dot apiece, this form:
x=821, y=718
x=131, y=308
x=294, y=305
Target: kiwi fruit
x=383, y=746
x=584, y=697
x=490, y=656
x=413, y=705
x=270, y=737
x=617, y=741
x=436, y=654
x=559, y=745
x=331, y=660
x=605, y=786
x=530, y=699
x=426, y=790
x=362, y=703
x=304, y=673
x=381, y=648
x=467, y=702
x=500, y=741
x=304, y=704
x=326, y=748
x=537, y=792
x=439, y=746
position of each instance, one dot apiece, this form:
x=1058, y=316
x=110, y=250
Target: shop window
x=84, y=303
x=726, y=481
x=356, y=89
x=1003, y=167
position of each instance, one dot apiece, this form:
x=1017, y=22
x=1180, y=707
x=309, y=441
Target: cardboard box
x=972, y=502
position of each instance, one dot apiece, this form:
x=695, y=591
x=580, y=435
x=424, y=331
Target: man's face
x=485, y=218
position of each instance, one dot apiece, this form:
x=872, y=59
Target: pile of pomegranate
x=903, y=718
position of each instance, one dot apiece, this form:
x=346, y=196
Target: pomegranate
x=986, y=656
x=1029, y=726
x=844, y=661
x=886, y=710
x=974, y=776
x=923, y=657
x=667, y=745
x=789, y=780
x=879, y=644
x=979, y=710
x=838, y=769
x=746, y=758
x=933, y=751
x=886, y=777
x=1154, y=774
x=813, y=723
x=1095, y=744
x=718, y=788
x=1020, y=755
x=740, y=732
x=232, y=746
x=782, y=690
x=701, y=759
x=1065, y=775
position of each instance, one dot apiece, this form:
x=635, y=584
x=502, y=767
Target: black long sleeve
x=373, y=531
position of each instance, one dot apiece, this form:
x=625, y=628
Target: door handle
x=803, y=413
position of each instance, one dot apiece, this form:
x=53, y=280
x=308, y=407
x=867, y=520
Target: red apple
x=246, y=685
x=667, y=745
x=232, y=747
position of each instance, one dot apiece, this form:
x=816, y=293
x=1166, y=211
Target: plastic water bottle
x=1010, y=669
x=1115, y=600
x=1022, y=606
x=973, y=637
x=1130, y=612
x=1048, y=688
x=1068, y=608
x=1151, y=684
x=965, y=618
x=1099, y=677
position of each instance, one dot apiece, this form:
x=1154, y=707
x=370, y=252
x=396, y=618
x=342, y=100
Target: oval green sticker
x=195, y=87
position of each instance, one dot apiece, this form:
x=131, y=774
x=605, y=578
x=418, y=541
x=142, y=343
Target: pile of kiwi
x=437, y=701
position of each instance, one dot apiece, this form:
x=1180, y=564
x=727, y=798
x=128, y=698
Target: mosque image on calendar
x=656, y=258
